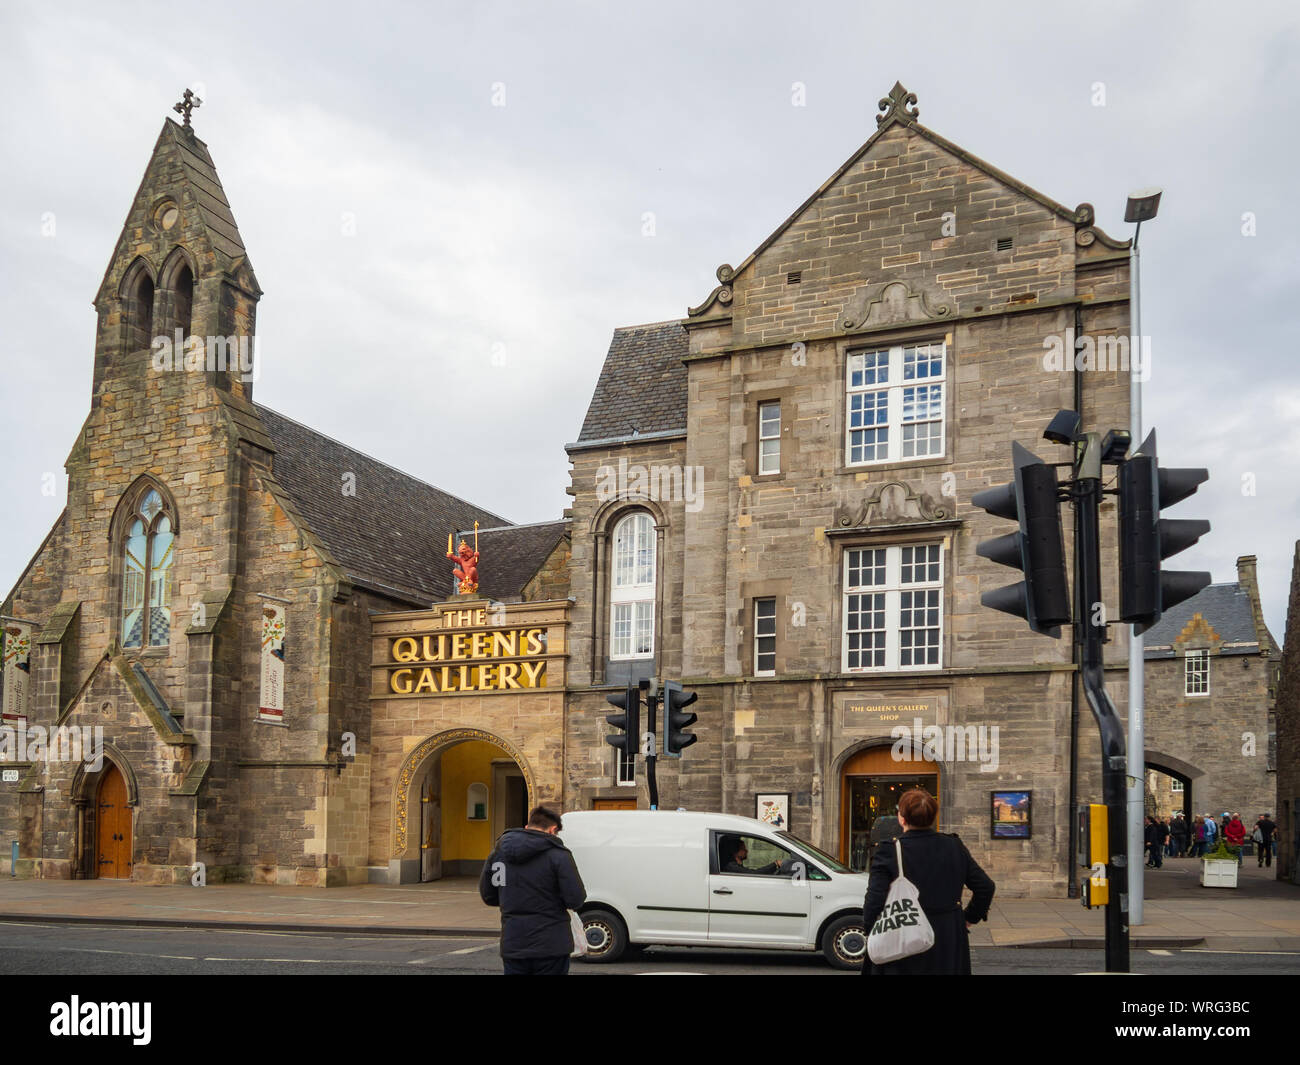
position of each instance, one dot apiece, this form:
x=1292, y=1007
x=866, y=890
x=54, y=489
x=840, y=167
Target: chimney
x=1249, y=583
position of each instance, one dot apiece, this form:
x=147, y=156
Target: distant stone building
x=1288, y=737
x=1211, y=665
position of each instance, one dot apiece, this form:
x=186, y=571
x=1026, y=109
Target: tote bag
x=902, y=928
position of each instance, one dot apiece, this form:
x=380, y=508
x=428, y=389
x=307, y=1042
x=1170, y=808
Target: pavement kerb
x=252, y=926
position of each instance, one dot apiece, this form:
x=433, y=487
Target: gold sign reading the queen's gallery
x=484, y=660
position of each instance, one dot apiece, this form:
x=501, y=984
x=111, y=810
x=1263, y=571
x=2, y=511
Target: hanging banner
x=271, y=707
x=17, y=671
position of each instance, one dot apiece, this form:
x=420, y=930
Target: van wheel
x=606, y=936
x=844, y=943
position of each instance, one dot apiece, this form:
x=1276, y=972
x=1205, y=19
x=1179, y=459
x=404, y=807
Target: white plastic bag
x=902, y=929
x=579, y=935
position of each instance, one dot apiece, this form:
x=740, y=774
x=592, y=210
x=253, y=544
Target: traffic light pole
x=1087, y=570
x=651, y=705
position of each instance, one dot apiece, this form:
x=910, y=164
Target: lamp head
x=1142, y=205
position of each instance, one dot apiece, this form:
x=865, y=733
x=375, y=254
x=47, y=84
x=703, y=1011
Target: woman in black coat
x=939, y=865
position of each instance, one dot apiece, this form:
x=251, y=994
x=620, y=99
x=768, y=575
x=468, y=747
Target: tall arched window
x=138, y=290
x=183, y=301
x=632, y=588
x=146, y=573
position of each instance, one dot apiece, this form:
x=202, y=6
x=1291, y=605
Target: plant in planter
x=1219, y=867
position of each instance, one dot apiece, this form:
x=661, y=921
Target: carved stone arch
x=179, y=257
x=137, y=490
x=139, y=265
x=403, y=843
x=612, y=511
x=85, y=782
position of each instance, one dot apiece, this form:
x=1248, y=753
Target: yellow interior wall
x=465, y=764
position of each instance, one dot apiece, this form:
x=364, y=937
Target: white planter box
x=1216, y=872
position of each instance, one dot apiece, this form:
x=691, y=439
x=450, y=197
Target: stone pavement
x=1260, y=914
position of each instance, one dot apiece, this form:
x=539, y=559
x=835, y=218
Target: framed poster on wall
x=1011, y=814
x=773, y=808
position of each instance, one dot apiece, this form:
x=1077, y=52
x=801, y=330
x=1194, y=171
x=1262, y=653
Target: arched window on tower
x=139, y=310
x=183, y=301
x=146, y=573
x=632, y=588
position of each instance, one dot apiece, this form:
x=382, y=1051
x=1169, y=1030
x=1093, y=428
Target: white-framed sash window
x=895, y=403
x=632, y=588
x=893, y=608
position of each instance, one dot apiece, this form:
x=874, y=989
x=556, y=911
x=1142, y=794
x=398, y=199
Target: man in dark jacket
x=1266, y=827
x=1157, y=835
x=532, y=876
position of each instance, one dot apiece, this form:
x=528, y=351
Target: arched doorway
x=468, y=787
x=113, y=842
x=871, y=782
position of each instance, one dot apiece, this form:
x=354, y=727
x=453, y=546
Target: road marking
x=1162, y=953
x=1263, y=953
x=472, y=950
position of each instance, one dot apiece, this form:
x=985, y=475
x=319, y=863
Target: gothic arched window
x=146, y=573
x=632, y=588
x=138, y=290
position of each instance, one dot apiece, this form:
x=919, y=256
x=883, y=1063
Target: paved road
x=91, y=950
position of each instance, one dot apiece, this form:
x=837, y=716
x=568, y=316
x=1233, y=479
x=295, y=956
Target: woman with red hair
x=940, y=866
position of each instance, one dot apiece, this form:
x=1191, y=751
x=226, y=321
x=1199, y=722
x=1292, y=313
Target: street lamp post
x=1142, y=207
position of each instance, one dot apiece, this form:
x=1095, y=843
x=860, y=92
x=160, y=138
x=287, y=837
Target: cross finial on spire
x=188, y=103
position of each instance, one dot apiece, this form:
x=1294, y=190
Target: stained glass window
x=146, y=575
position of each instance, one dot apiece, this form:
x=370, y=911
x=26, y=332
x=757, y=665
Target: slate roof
x=393, y=533
x=209, y=196
x=510, y=556
x=1225, y=606
x=642, y=386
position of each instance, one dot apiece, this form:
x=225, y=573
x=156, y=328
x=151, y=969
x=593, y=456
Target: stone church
x=205, y=597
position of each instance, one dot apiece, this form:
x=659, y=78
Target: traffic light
x=1146, y=539
x=1043, y=597
x=629, y=701
x=677, y=718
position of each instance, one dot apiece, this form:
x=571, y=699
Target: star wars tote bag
x=902, y=929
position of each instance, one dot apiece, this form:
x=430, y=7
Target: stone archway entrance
x=456, y=793
x=871, y=783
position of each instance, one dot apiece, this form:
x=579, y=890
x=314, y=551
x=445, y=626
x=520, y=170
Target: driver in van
x=734, y=852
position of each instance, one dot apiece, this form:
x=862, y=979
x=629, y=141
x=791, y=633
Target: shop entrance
x=871, y=783
x=469, y=795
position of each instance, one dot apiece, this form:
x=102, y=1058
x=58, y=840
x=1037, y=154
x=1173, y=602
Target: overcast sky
x=459, y=332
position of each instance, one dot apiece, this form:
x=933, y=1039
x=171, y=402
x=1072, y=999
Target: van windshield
x=825, y=858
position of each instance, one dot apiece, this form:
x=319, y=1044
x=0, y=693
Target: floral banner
x=271, y=707
x=17, y=649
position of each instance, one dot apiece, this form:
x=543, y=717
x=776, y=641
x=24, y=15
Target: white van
x=677, y=878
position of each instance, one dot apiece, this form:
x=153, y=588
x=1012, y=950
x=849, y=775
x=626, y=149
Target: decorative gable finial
x=899, y=104
x=187, y=104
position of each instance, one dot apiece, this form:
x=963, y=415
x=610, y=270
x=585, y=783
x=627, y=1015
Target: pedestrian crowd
x=1176, y=837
